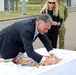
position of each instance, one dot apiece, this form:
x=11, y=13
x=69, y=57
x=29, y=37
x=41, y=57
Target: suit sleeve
x=46, y=42
x=28, y=46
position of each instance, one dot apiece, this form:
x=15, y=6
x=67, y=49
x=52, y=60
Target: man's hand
x=52, y=59
x=53, y=55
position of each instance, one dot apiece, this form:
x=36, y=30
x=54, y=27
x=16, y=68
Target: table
x=66, y=67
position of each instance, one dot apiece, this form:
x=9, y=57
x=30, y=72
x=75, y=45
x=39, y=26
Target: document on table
x=9, y=68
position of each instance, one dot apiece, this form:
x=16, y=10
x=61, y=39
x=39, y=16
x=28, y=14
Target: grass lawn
x=31, y=9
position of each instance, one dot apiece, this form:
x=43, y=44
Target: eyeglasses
x=51, y=2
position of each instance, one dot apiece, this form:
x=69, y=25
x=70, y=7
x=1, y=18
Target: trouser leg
x=62, y=32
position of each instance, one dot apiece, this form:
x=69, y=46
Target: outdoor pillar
x=24, y=7
x=12, y=5
x=8, y=5
x=1, y=5
x=16, y=5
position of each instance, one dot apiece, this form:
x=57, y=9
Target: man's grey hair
x=45, y=18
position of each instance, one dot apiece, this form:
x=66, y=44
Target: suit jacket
x=20, y=35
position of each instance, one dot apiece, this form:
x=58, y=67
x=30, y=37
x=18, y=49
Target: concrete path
x=70, y=38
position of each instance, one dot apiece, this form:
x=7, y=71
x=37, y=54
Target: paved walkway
x=70, y=38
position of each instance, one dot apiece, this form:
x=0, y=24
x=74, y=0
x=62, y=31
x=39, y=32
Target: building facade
x=1, y=5
x=8, y=5
x=70, y=3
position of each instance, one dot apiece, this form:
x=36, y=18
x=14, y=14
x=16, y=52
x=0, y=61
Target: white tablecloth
x=66, y=67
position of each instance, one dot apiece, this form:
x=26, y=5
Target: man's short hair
x=45, y=18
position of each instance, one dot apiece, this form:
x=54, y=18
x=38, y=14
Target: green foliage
x=31, y=9
x=36, y=1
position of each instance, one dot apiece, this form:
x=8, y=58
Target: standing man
x=63, y=11
x=20, y=35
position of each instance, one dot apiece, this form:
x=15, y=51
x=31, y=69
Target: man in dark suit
x=20, y=36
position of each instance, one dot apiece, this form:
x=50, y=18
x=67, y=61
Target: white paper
x=12, y=69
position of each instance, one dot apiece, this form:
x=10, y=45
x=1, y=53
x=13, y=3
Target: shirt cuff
x=43, y=59
x=51, y=52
